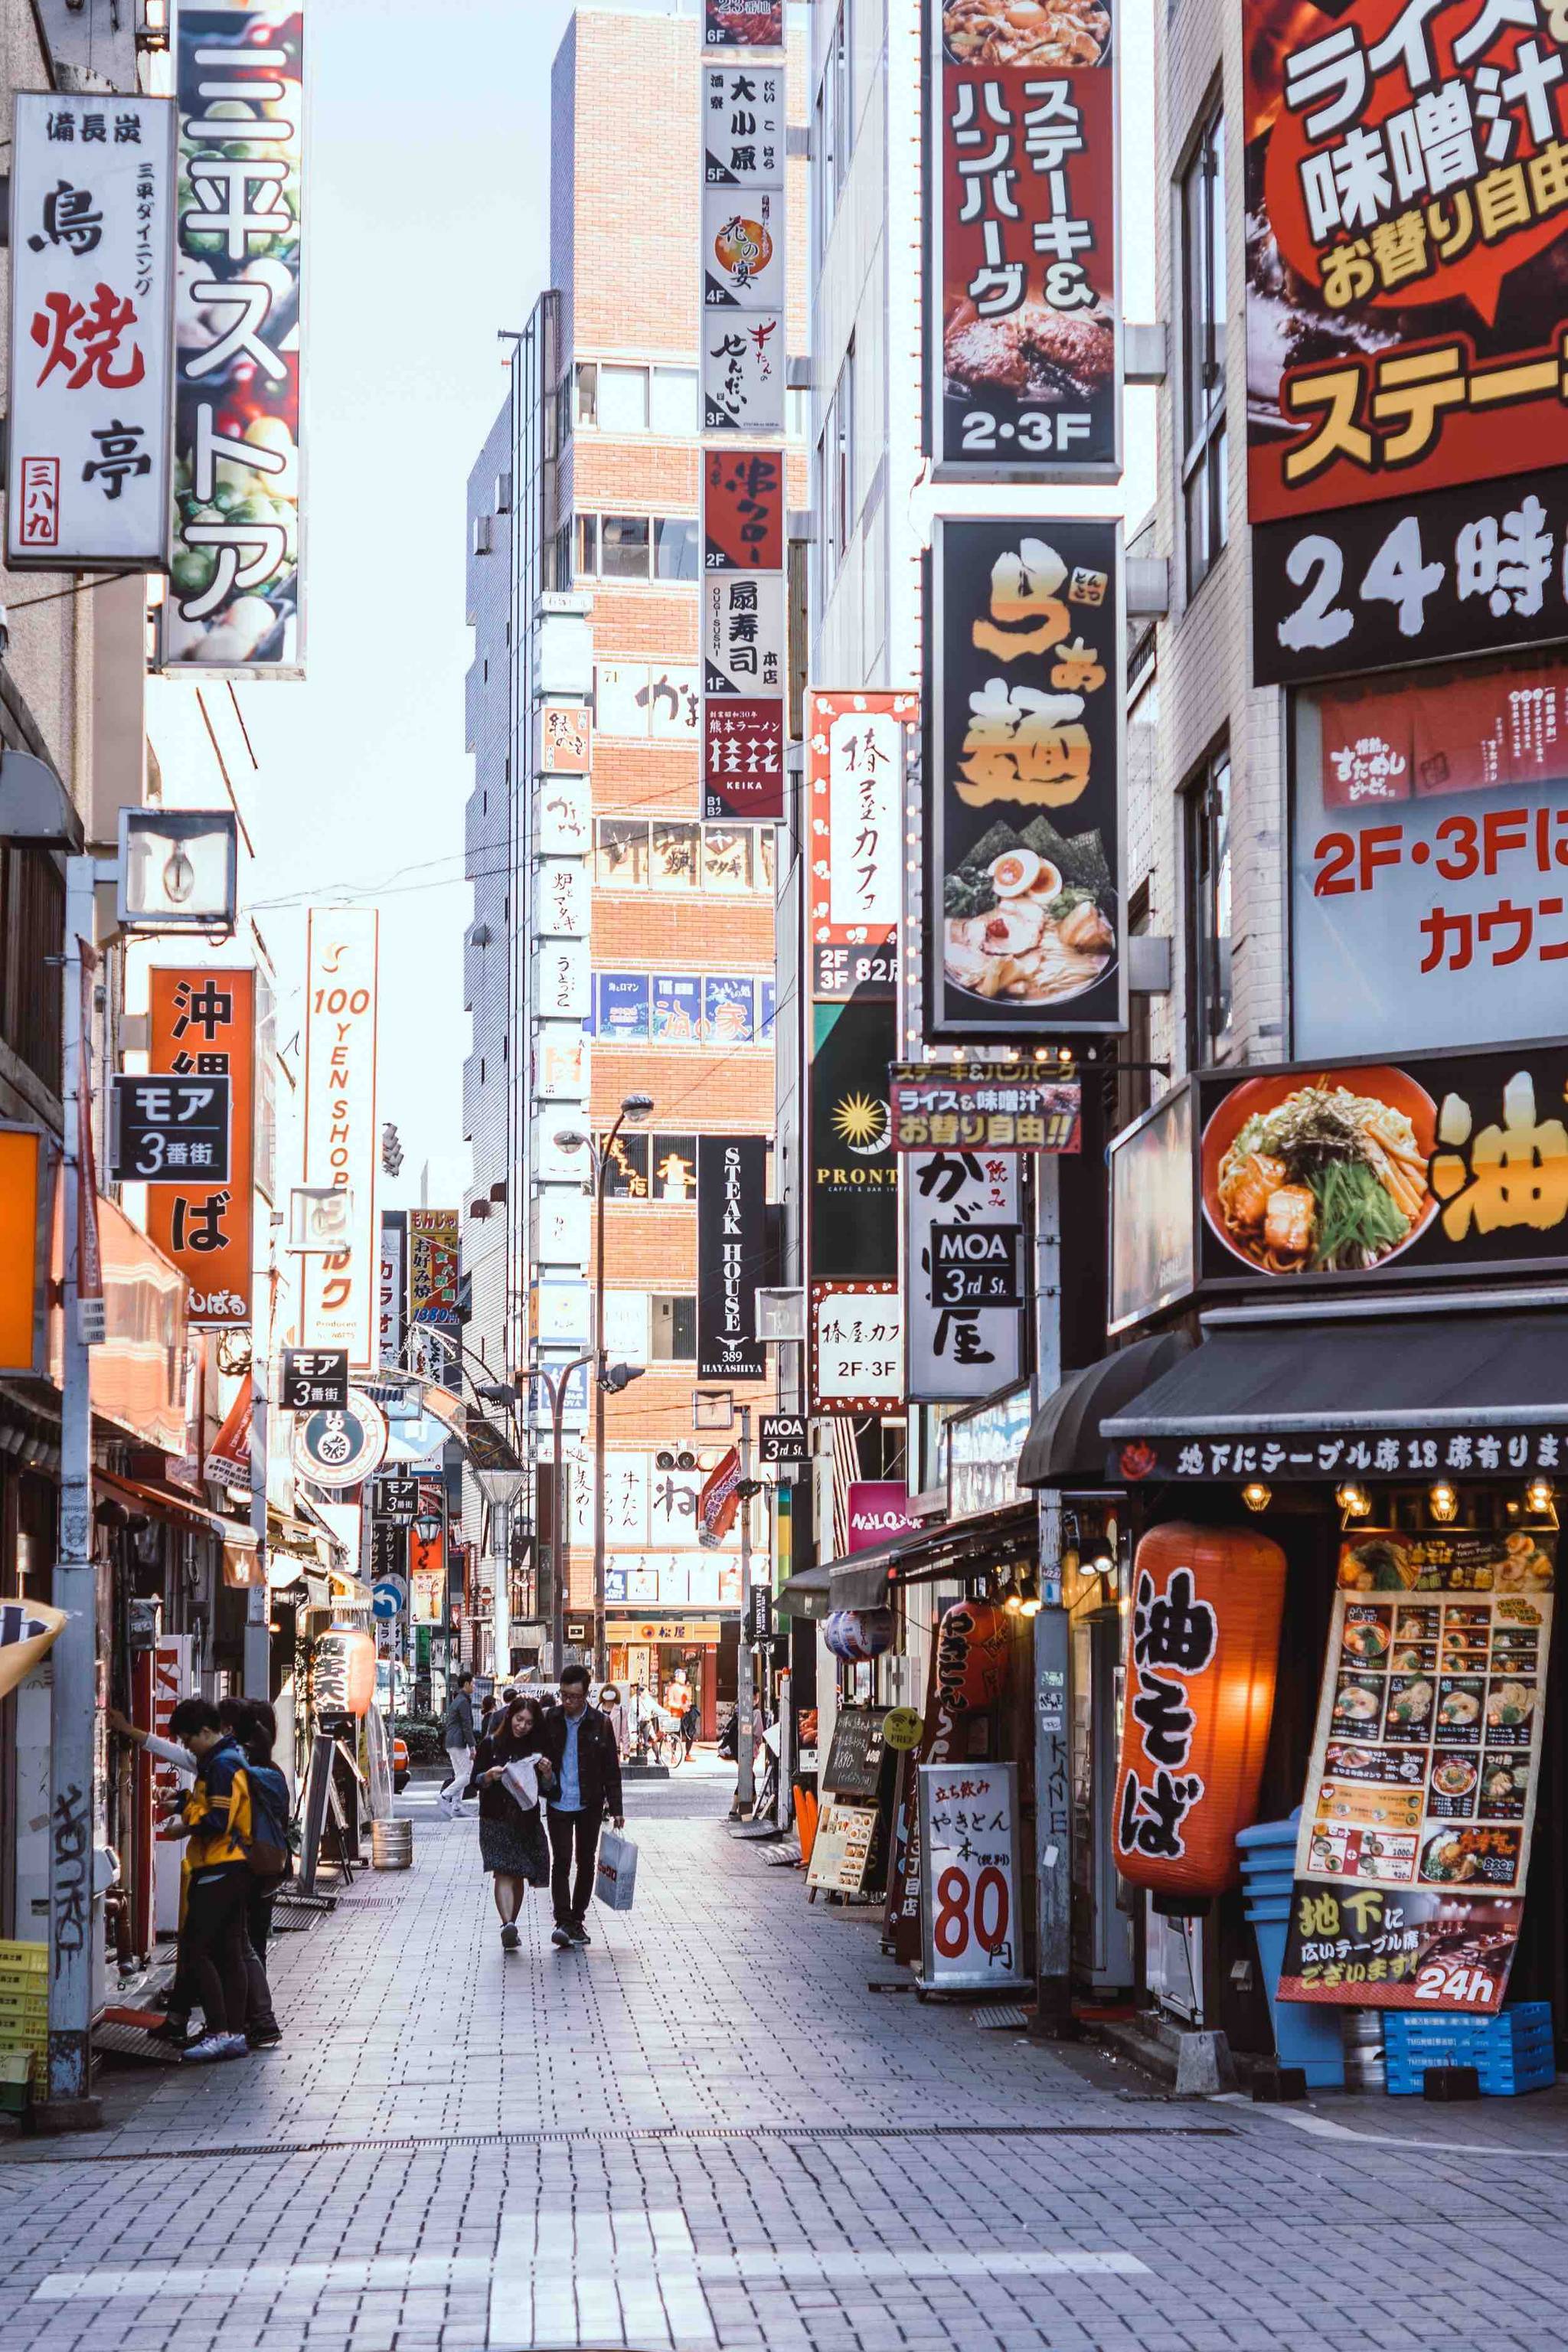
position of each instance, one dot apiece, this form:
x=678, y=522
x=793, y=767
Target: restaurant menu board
x=855, y=1755
x=971, y=1930
x=1414, y=1839
x=841, y=1851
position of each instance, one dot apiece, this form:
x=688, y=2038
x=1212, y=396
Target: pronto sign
x=340, y=1290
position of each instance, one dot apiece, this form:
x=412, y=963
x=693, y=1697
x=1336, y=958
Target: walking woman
x=512, y=1845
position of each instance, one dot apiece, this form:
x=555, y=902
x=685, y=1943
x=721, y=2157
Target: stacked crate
x=24, y=2005
x=1511, y=2052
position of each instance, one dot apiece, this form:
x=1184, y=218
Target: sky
x=427, y=227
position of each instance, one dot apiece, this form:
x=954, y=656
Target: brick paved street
x=708, y=2131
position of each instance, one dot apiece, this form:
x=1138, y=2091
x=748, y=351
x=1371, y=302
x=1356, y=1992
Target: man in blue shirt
x=581, y=1744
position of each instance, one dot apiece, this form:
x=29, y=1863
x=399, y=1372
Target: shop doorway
x=1103, y=1927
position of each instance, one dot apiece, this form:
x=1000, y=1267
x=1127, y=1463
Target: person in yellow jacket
x=215, y=1817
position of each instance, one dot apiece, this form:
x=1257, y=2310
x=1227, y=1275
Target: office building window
x=1203, y=198
x=675, y=547
x=637, y=547
x=617, y=397
x=676, y=854
x=587, y=555
x=673, y=400
x=672, y=1335
x=623, y=399
x=1209, y=915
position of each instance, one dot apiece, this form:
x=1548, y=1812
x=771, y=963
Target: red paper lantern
x=1202, y=1654
x=343, y=1671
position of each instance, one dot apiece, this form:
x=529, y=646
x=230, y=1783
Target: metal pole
x=745, y=1778
x=73, y=1662
x=601, y=1662
x=258, y=1655
x=557, y=1388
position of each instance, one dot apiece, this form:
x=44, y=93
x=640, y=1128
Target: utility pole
x=257, y=1651
x=73, y=1662
x=745, y=1775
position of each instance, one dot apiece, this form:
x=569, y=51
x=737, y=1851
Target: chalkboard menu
x=854, y=1758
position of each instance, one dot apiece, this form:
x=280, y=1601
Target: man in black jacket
x=581, y=1744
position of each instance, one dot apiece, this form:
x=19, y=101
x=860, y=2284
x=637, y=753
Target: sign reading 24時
x=1406, y=183
x=1023, y=853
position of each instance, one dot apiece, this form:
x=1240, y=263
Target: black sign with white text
x=165, y=1129
x=731, y=1252
x=1467, y=570
x=315, y=1376
x=784, y=1439
x=396, y=1500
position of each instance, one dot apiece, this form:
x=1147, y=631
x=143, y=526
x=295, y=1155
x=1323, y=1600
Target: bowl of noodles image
x=1325, y=1174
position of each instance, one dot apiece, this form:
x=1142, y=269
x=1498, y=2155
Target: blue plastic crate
x=1511, y=2052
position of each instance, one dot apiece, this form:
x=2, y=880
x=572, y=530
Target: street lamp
x=634, y=1108
x=556, y=1384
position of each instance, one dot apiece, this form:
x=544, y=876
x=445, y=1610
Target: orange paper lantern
x=343, y=1671
x=1202, y=1653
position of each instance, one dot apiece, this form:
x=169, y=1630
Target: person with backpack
x=458, y=1739
x=255, y=1726
x=216, y=1818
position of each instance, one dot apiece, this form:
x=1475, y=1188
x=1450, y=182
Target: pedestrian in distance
x=216, y=1818
x=458, y=1739
x=511, y=1773
x=580, y=1748
x=615, y=1715
x=255, y=1726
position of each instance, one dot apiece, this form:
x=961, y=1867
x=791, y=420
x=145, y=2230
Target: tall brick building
x=605, y=523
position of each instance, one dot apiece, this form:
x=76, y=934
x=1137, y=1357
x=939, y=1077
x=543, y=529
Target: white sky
x=428, y=193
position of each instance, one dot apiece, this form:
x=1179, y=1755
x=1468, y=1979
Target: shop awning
x=805, y=1595
x=960, y=1547
x=1064, y=1446
x=166, y=1503
x=1368, y=1387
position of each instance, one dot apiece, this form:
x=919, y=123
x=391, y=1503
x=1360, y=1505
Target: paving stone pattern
x=708, y=2131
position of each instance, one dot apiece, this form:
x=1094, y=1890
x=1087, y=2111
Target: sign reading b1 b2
x=166, y=1130
x=1469, y=570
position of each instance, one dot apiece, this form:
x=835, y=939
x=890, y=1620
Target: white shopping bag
x=616, y=1878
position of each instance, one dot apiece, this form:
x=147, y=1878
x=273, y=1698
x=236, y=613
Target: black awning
x=947, y=1548
x=1064, y=1446
x=805, y=1595
x=1467, y=1394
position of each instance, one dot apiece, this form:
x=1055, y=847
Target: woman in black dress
x=512, y=1845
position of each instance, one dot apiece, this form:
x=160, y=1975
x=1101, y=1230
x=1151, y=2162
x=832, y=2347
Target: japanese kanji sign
x=565, y=739
x=314, y=1377
x=743, y=759
x=392, y=1288
x=971, y=1932
x=743, y=373
x=997, y=1112
x=1491, y=1444
x=340, y=1303
x=1023, y=848
x=1406, y=183
x=965, y=1261
x=743, y=128
x=732, y=1254
x=743, y=266
x=164, y=1129
x=92, y=241
x=433, y=1273
x=236, y=603
x=1429, y=858
x=744, y=634
x=1467, y=1156
x=201, y=1028
x=856, y=1347
x=743, y=510
x=1473, y=570
x=855, y=750
x=1024, y=376
x=1415, y=1838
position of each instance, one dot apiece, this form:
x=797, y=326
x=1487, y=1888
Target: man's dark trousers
x=574, y=1836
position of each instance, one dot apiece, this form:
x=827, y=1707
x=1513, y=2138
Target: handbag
x=615, y=1872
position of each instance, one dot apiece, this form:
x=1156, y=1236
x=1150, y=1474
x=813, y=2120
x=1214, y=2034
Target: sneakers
x=174, y=2032
x=509, y=1937
x=217, y=2045
x=578, y=1933
x=562, y=1939
x=264, y=2037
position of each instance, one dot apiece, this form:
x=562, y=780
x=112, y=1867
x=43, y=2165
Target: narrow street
x=711, y=2129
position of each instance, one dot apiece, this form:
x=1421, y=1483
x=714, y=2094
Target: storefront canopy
x=1391, y=1391
x=1064, y=1446
x=805, y=1595
x=949, y=1548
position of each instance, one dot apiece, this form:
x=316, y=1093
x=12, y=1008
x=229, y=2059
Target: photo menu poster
x=1415, y=1841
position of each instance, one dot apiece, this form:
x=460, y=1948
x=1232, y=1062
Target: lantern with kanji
x=1202, y=1654
x=342, y=1673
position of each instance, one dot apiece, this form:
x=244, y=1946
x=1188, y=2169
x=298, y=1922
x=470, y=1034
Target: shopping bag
x=616, y=1877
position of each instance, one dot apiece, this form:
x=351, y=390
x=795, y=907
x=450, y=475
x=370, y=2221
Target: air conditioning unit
x=503, y=494
x=484, y=536
x=781, y=1315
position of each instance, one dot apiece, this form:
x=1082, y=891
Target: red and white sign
x=856, y=1334
x=92, y=231
x=340, y=1304
x=878, y=1511
x=971, y=1932
x=855, y=775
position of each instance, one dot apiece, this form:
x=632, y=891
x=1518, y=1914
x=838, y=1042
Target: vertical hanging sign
x=92, y=231
x=236, y=604
x=339, y=1306
x=855, y=778
x=200, y=1023
x=731, y=1219
x=392, y=1300
x=1024, y=370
